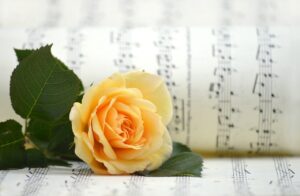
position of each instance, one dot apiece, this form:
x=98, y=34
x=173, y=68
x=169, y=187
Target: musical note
x=264, y=88
x=74, y=52
x=221, y=89
x=124, y=60
x=35, y=180
x=79, y=178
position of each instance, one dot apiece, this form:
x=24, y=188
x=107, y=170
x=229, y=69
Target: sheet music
x=135, y=13
x=221, y=176
x=234, y=89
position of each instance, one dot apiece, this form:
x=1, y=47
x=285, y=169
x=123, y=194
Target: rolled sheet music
x=235, y=90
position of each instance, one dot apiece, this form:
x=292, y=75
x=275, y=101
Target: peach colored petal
x=162, y=154
x=94, y=93
x=75, y=118
x=102, y=158
x=121, y=144
x=91, y=135
x=102, y=113
x=139, y=131
x=125, y=109
x=153, y=132
x=151, y=162
x=142, y=104
x=131, y=166
x=82, y=150
x=112, y=120
x=111, y=134
x=129, y=154
x=102, y=139
x=123, y=93
x=154, y=89
x=98, y=168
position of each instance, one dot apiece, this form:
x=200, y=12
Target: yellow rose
x=120, y=126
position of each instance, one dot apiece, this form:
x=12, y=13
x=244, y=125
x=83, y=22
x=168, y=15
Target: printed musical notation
x=130, y=13
x=125, y=44
x=79, y=179
x=135, y=185
x=34, y=38
x=222, y=102
x=285, y=175
x=240, y=173
x=168, y=67
x=35, y=179
x=239, y=176
x=74, y=52
x=264, y=87
x=92, y=14
x=52, y=15
x=221, y=89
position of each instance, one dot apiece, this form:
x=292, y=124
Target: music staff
x=74, y=51
x=221, y=89
x=124, y=60
x=167, y=68
x=264, y=88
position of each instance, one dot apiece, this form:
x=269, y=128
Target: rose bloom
x=120, y=126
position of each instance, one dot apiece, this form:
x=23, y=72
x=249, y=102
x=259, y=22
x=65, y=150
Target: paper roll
x=235, y=90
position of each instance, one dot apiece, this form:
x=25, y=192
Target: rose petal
x=111, y=134
x=94, y=93
x=162, y=154
x=75, y=118
x=98, y=168
x=102, y=139
x=142, y=104
x=153, y=161
x=153, y=132
x=82, y=150
x=153, y=89
x=131, y=166
x=102, y=158
x=102, y=112
x=125, y=109
x=121, y=144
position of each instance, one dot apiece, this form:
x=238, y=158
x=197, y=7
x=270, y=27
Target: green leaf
x=179, y=148
x=39, y=132
x=22, y=54
x=35, y=158
x=12, y=152
x=53, y=138
x=182, y=162
x=42, y=86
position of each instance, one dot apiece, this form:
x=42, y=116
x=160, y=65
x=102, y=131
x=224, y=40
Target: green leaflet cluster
x=42, y=91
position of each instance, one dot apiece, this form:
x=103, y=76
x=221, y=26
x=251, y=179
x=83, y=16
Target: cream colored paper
x=235, y=90
x=265, y=176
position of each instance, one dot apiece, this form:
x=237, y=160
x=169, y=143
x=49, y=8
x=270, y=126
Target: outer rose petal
x=82, y=150
x=84, y=153
x=154, y=89
x=76, y=119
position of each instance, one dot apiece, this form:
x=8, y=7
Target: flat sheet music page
x=231, y=66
